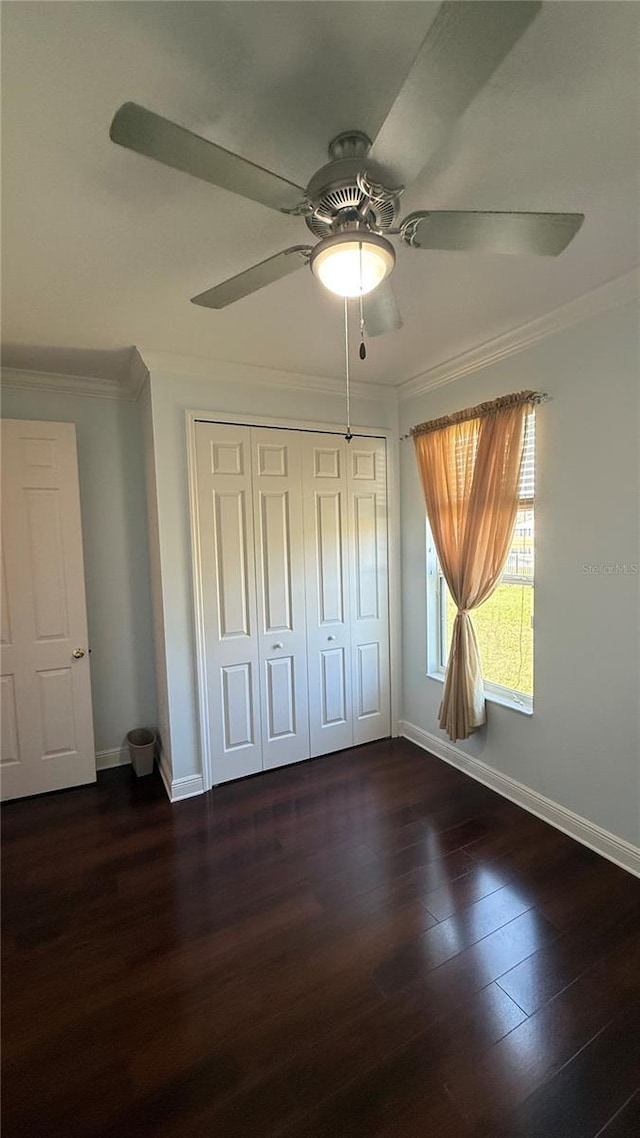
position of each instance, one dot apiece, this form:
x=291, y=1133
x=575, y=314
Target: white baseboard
x=186, y=787
x=616, y=849
x=165, y=775
x=116, y=757
x=179, y=788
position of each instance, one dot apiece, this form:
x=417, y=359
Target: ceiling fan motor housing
x=337, y=197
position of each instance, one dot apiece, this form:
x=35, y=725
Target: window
x=504, y=623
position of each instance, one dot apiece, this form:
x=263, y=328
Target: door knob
x=330, y=637
x=78, y=653
x=278, y=645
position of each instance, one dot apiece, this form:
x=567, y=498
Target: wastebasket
x=142, y=745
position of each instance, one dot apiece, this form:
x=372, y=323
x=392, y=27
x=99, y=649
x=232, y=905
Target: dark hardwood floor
x=369, y=945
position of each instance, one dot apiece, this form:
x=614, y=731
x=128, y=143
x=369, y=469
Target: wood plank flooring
x=369, y=945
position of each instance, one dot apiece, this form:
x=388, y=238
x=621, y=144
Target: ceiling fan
x=352, y=204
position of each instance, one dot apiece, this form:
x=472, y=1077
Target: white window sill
x=491, y=696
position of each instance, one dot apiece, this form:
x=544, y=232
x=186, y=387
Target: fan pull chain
x=363, y=347
x=348, y=435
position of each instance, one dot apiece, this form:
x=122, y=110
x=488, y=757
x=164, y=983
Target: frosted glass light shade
x=349, y=264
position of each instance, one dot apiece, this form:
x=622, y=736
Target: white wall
x=223, y=388
x=581, y=747
x=115, y=552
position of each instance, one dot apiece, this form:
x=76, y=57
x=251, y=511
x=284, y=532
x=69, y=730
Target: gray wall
x=581, y=747
x=116, y=556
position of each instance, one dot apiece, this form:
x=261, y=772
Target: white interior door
x=369, y=626
x=328, y=600
x=282, y=634
x=47, y=724
x=225, y=534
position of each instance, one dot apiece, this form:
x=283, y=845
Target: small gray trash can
x=142, y=745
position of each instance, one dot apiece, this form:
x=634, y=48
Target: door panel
x=238, y=720
x=47, y=724
x=330, y=556
x=281, y=702
x=367, y=566
x=9, y=719
x=334, y=705
x=231, y=535
x=5, y=619
x=367, y=483
x=276, y=561
x=225, y=532
x=368, y=680
x=282, y=635
x=328, y=602
x=56, y=712
x=46, y=556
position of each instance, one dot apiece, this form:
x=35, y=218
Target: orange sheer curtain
x=469, y=467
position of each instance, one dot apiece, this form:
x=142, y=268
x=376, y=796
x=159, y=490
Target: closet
x=291, y=533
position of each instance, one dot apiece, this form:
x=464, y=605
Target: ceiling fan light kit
x=352, y=264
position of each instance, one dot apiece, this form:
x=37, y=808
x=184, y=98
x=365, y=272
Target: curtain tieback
x=462, y=612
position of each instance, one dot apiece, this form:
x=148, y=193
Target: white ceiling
x=102, y=249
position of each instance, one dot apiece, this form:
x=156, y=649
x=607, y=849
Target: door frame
x=393, y=551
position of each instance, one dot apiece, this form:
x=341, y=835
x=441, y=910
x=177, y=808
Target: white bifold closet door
x=347, y=595
x=368, y=578
x=250, y=536
x=282, y=640
x=292, y=544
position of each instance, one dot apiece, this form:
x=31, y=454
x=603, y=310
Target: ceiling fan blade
x=254, y=278
x=464, y=45
x=156, y=137
x=545, y=234
x=380, y=311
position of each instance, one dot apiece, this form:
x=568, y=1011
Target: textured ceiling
x=102, y=249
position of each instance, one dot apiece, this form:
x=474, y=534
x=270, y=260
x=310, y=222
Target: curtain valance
x=517, y=399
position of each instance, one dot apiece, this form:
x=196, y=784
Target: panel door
x=225, y=529
x=328, y=600
x=47, y=723
x=282, y=636
x=370, y=671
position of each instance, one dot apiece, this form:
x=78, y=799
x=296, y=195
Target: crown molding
x=612, y=294
x=126, y=387
x=136, y=377
x=199, y=367
x=62, y=384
